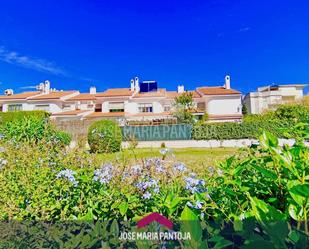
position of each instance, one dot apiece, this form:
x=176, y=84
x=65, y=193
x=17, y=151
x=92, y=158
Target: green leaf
x=265, y=172
x=191, y=224
x=265, y=212
x=220, y=242
x=123, y=207
x=301, y=189
x=188, y=215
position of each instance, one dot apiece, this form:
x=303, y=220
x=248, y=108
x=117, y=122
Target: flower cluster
x=104, y=174
x=165, y=151
x=146, y=186
x=155, y=162
x=195, y=185
x=197, y=205
x=69, y=175
x=179, y=167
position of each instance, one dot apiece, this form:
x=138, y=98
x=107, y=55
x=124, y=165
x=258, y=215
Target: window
x=15, y=107
x=145, y=108
x=116, y=107
x=167, y=108
x=66, y=107
x=41, y=107
x=201, y=106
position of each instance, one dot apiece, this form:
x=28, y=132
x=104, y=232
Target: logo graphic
x=154, y=235
x=155, y=217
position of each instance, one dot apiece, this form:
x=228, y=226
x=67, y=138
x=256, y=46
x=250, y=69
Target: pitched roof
x=70, y=113
x=52, y=95
x=23, y=95
x=159, y=93
x=114, y=92
x=144, y=114
x=174, y=94
x=83, y=96
x=218, y=90
x=106, y=114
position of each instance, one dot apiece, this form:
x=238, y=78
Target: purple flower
x=195, y=185
x=180, y=167
x=148, y=185
x=136, y=169
x=147, y=195
x=104, y=174
x=197, y=205
x=165, y=151
x=69, y=175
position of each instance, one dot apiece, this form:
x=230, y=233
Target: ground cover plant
x=267, y=184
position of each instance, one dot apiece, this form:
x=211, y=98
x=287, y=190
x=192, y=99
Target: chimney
x=180, y=88
x=136, y=84
x=9, y=92
x=93, y=90
x=132, y=85
x=46, y=86
x=227, y=84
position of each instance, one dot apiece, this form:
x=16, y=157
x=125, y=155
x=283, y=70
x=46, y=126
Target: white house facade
x=269, y=97
x=141, y=101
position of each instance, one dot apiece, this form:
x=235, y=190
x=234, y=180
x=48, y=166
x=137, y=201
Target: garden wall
x=232, y=143
x=77, y=128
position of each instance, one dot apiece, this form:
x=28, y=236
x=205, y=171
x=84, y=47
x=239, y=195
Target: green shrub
x=19, y=115
x=231, y=130
x=26, y=129
x=59, y=138
x=104, y=136
x=32, y=127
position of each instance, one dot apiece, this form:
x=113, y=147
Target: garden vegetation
x=258, y=198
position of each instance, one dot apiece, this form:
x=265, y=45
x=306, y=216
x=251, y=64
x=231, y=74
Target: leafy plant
x=104, y=136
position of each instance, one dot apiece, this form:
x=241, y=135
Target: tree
x=244, y=109
x=183, y=106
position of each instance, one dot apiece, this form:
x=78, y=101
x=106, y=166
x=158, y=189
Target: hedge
x=19, y=115
x=31, y=126
x=231, y=130
x=275, y=122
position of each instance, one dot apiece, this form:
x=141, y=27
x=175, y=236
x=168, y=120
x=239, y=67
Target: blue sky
x=76, y=44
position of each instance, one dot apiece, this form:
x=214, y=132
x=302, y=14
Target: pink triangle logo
x=155, y=217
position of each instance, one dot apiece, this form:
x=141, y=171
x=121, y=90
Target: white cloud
x=245, y=29
x=27, y=87
x=37, y=64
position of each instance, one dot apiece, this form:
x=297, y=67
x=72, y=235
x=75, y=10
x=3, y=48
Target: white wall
x=53, y=107
x=224, y=105
x=105, y=106
x=131, y=107
x=157, y=107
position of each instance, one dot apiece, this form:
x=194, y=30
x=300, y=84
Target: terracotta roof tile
x=83, y=96
x=217, y=90
x=23, y=95
x=174, y=94
x=106, y=114
x=149, y=114
x=114, y=92
x=70, y=113
x=53, y=95
x=160, y=93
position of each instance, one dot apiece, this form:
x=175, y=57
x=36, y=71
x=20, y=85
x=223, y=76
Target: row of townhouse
x=141, y=101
